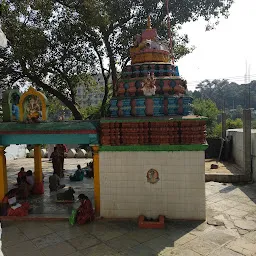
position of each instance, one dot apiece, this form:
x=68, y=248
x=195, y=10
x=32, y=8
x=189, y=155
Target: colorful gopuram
x=152, y=146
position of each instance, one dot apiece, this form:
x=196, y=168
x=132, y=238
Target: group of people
x=25, y=182
x=81, y=173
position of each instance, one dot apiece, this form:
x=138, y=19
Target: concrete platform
x=227, y=172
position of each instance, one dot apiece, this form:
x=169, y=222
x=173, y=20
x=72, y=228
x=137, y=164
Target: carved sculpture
x=33, y=106
x=148, y=85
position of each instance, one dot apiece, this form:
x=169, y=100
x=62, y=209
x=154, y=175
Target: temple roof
x=149, y=48
x=49, y=127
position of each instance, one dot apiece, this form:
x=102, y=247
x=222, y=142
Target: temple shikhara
x=148, y=153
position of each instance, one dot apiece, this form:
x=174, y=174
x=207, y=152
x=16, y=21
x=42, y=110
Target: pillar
x=3, y=173
x=224, y=126
x=96, y=179
x=247, y=143
x=39, y=186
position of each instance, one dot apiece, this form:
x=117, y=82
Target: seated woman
x=78, y=175
x=85, y=211
x=9, y=210
x=21, y=174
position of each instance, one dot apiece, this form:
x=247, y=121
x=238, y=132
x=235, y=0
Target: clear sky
x=222, y=52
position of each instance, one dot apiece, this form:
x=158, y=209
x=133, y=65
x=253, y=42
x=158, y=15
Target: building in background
x=93, y=98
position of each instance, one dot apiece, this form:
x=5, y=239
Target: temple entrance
x=25, y=122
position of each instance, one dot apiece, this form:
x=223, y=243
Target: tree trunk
x=104, y=101
x=112, y=65
x=69, y=104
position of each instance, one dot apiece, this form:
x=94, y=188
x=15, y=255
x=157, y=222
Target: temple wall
x=179, y=194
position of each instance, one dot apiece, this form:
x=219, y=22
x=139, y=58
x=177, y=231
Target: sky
x=222, y=52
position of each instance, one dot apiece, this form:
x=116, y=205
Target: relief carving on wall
x=152, y=176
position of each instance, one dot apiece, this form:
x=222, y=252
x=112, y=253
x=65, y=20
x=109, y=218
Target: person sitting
x=11, y=207
x=85, y=211
x=21, y=174
x=89, y=170
x=67, y=195
x=30, y=180
x=78, y=175
x=54, y=182
x=23, y=189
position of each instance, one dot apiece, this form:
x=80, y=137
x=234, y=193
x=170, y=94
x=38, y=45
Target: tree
x=52, y=41
x=230, y=124
x=208, y=109
x=228, y=95
x=46, y=49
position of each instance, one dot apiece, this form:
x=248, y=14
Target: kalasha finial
x=149, y=22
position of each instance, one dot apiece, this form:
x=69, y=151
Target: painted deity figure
x=152, y=176
x=15, y=108
x=148, y=85
x=33, y=109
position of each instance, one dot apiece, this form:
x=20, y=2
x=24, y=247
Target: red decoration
x=38, y=188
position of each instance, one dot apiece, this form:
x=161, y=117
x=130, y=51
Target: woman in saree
x=85, y=211
x=56, y=162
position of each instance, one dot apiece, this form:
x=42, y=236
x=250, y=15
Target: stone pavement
x=230, y=230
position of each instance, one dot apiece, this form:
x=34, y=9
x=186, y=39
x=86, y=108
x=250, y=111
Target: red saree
x=85, y=212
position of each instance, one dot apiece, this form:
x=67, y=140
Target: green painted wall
x=49, y=139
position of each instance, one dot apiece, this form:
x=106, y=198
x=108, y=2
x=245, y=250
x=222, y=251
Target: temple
x=149, y=151
x=152, y=146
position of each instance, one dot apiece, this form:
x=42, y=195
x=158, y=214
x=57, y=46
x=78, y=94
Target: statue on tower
x=148, y=85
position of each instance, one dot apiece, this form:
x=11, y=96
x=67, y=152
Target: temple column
x=96, y=179
x=3, y=173
x=39, y=185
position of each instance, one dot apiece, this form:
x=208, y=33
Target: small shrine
x=152, y=146
x=25, y=122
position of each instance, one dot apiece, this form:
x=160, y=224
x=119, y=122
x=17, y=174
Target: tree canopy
x=208, y=109
x=227, y=95
x=51, y=43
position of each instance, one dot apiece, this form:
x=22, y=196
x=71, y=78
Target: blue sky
x=224, y=51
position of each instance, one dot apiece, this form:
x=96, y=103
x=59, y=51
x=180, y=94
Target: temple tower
x=152, y=146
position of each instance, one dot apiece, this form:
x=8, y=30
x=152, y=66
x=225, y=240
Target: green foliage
x=57, y=111
x=91, y=112
x=208, y=109
x=234, y=124
x=253, y=124
x=230, y=124
x=228, y=95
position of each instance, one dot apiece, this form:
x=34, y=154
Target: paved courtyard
x=230, y=230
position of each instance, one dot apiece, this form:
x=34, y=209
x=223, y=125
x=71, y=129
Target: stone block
x=81, y=153
x=43, y=153
x=71, y=153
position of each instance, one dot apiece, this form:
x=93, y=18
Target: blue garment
x=15, y=111
x=177, y=71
